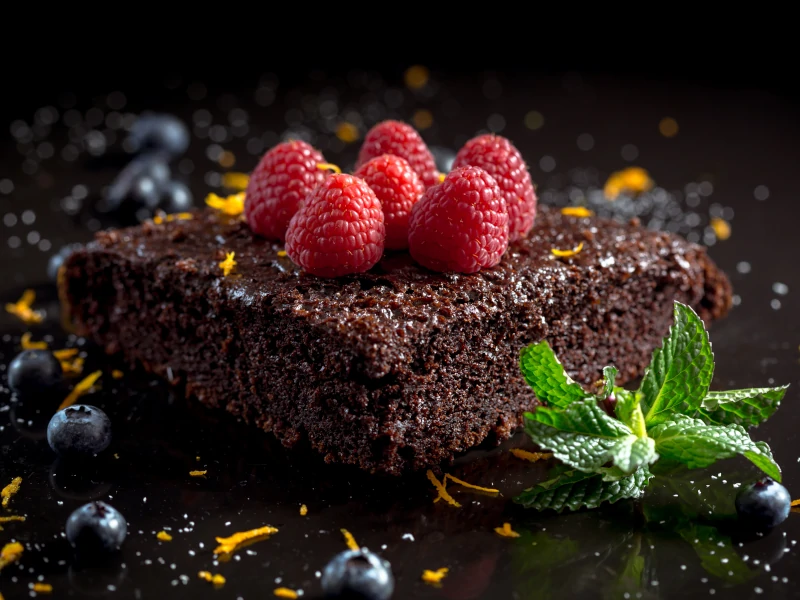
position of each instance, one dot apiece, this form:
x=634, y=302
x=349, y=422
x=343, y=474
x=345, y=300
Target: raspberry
x=400, y=139
x=497, y=156
x=460, y=225
x=339, y=229
x=398, y=188
x=280, y=182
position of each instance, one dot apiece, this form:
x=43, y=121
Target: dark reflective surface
x=681, y=539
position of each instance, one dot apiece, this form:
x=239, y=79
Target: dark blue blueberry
x=444, y=158
x=159, y=132
x=55, y=262
x=144, y=192
x=152, y=165
x=96, y=528
x=79, y=430
x=358, y=574
x=765, y=503
x=176, y=198
x=34, y=373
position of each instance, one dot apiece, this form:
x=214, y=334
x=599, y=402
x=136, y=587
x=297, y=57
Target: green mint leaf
x=628, y=410
x=680, y=371
x=716, y=552
x=609, y=378
x=582, y=435
x=575, y=489
x=639, y=453
x=697, y=445
x=742, y=407
x=547, y=377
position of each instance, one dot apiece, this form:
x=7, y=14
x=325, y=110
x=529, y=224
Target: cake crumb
x=27, y=344
x=81, y=388
x=303, y=510
x=216, y=579
x=577, y=211
x=22, y=308
x=530, y=456
x=228, y=264
x=567, y=253
x=235, y=181
x=329, y=167
x=283, y=592
x=434, y=578
x=443, y=495
x=232, y=205
x=506, y=531
x=164, y=536
x=197, y=473
x=229, y=544
x=349, y=540
x=10, y=490
x=42, y=588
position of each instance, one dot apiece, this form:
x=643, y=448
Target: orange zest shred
x=347, y=132
x=12, y=519
x=631, y=180
x=217, y=579
x=229, y=544
x=164, y=218
x=329, y=167
x=442, y=177
x=349, y=540
x=197, y=473
x=721, y=228
x=435, y=577
x=10, y=490
x=567, y=253
x=72, y=367
x=82, y=387
x=303, y=510
x=282, y=253
x=471, y=486
x=10, y=553
x=164, y=536
x=232, y=205
x=228, y=264
x=795, y=503
x=235, y=181
x=27, y=344
x=117, y=374
x=42, y=588
x=506, y=531
x=283, y=592
x=577, y=211
x=22, y=308
x=66, y=353
x=443, y=495
x=530, y=456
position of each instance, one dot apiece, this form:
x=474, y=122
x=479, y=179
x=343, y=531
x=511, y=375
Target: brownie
x=396, y=369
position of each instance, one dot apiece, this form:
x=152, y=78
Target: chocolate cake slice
x=396, y=369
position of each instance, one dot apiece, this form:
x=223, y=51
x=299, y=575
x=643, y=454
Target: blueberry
x=444, y=158
x=159, y=132
x=55, y=262
x=34, y=372
x=79, y=430
x=358, y=574
x=96, y=528
x=153, y=166
x=765, y=503
x=176, y=198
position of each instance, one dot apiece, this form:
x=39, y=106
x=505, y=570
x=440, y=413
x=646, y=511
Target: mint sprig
x=672, y=416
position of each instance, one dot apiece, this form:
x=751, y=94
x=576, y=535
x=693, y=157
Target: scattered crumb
x=42, y=588
x=117, y=374
x=434, y=578
x=530, y=456
x=228, y=264
x=283, y=592
x=197, y=473
x=232, y=205
x=303, y=510
x=27, y=344
x=8, y=492
x=164, y=536
x=22, y=308
x=576, y=211
x=506, y=531
x=82, y=387
x=408, y=536
x=329, y=167
x=229, y=544
x=235, y=181
x=350, y=540
x=567, y=253
x=217, y=579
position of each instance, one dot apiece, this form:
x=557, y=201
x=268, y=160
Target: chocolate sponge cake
x=395, y=369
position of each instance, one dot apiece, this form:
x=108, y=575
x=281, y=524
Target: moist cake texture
x=396, y=369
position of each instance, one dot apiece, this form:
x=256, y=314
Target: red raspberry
x=497, y=156
x=339, y=229
x=460, y=225
x=398, y=188
x=280, y=182
x=400, y=139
